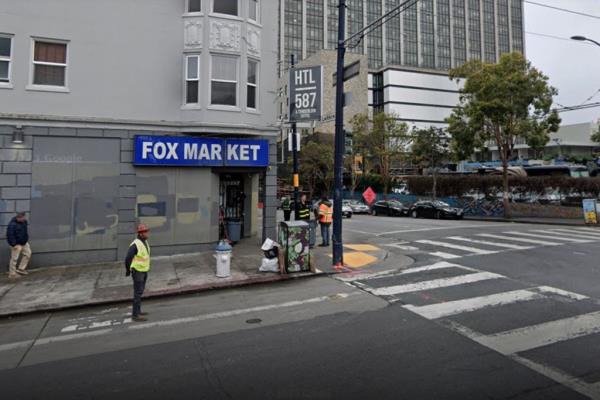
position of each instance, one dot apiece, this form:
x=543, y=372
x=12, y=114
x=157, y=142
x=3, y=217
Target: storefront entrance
x=232, y=199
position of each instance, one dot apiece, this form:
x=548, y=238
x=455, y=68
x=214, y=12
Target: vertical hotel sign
x=306, y=94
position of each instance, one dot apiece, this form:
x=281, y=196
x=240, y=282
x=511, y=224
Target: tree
x=383, y=142
x=596, y=135
x=429, y=148
x=501, y=103
x=316, y=167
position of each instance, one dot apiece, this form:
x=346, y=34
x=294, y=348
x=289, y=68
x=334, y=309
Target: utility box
x=294, y=241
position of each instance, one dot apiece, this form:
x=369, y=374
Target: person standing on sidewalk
x=303, y=210
x=325, y=219
x=17, y=236
x=286, y=206
x=137, y=263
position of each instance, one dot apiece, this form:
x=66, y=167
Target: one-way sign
x=306, y=89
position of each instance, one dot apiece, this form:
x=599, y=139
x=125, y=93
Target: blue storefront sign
x=200, y=152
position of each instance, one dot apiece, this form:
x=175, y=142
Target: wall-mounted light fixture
x=18, y=136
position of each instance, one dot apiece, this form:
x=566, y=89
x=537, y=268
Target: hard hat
x=142, y=228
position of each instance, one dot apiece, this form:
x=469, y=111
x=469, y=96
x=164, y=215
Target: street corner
x=360, y=257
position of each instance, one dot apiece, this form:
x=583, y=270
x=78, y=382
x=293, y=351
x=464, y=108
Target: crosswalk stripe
x=518, y=239
x=534, y=336
x=505, y=245
x=586, y=229
x=561, y=292
x=565, y=236
x=536, y=235
x=444, y=255
x=440, y=310
x=591, y=235
x=434, y=284
x=456, y=246
x=439, y=265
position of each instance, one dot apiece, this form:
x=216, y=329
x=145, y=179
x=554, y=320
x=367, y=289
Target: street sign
x=369, y=195
x=306, y=93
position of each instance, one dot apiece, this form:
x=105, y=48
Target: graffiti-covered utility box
x=294, y=240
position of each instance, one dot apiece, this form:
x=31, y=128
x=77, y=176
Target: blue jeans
x=325, y=234
x=139, y=284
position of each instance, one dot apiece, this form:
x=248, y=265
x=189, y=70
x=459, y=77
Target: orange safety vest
x=325, y=214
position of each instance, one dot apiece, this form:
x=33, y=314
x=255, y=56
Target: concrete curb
x=186, y=290
x=532, y=222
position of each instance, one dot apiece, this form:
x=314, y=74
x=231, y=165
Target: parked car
x=389, y=207
x=358, y=207
x=435, y=209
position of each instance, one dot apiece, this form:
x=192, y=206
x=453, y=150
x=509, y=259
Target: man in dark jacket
x=137, y=264
x=18, y=240
x=303, y=210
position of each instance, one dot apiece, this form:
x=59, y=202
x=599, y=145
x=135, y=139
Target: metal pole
x=338, y=249
x=295, y=153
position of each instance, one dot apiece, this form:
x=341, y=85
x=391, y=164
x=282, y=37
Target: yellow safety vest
x=325, y=214
x=303, y=212
x=141, y=261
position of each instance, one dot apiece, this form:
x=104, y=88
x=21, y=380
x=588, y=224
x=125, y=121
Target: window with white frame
x=192, y=79
x=49, y=63
x=223, y=82
x=253, y=10
x=5, y=58
x=252, y=85
x=194, y=6
x=229, y=7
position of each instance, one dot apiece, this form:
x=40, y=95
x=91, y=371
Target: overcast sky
x=573, y=67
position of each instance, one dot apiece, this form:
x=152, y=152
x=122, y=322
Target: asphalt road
x=487, y=311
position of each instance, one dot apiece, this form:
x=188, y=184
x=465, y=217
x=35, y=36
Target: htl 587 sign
x=306, y=89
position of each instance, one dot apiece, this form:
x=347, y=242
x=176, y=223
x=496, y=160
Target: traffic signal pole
x=338, y=249
x=295, y=154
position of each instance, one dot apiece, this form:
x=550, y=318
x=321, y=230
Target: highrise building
x=410, y=55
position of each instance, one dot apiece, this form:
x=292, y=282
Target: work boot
x=139, y=318
x=13, y=276
x=22, y=272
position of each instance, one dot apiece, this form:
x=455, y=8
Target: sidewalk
x=57, y=288
x=533, y=220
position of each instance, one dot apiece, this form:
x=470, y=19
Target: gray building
x=410, y=55
x=80, y=80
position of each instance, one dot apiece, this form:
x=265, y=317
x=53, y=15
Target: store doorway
x=231, y=206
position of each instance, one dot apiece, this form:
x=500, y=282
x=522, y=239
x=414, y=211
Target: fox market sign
x=200, y=152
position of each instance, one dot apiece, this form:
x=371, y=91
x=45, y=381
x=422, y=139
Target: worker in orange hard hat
x=137, y=264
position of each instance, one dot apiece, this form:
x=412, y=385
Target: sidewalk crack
x=34, y=341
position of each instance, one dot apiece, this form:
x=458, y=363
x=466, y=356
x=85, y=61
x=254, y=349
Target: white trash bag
x=269, y=265
x=270, y=249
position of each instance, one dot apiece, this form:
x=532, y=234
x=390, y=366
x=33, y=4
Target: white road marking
x=364, y=276
x=444, y=255
x=497, y=244
x=440, y=310
x=232, y=313
x=534, y=336
x=15, y=345
x=560, y=292
x=402, y=246
x=517, y=239
x=551, y=237
x=433, y=284
x=438, y=265
x=64, y=338
x=457, y=247
x=439, y=228
x=586, y=229
x=573, y=232
x=567, y=236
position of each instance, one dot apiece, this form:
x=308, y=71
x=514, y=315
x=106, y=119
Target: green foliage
x=596, y=136
x=315, y=161
x=429, y=147
x=382, y=142
x=501, y=103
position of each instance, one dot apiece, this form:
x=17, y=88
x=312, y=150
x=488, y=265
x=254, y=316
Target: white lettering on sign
x=232, y=152
x=303, y=76
x=172, y=148
x=204, y=154
x=244, y=152
x=255, y=148
x=160, y=151
x=146, y=149
x=190, y=151
x=215, y=151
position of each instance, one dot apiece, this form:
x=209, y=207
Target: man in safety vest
x=303, y=210
x=325, y=219
x=286, y=206
x=137, y=264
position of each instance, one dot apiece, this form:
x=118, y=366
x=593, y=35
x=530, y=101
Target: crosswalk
x=525, y=323
x=455, y=247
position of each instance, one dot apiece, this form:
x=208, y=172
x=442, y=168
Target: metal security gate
x=231, y=201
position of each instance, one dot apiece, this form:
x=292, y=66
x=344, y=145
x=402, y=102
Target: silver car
x=358, y=207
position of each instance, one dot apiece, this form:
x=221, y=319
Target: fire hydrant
x=223, y=256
